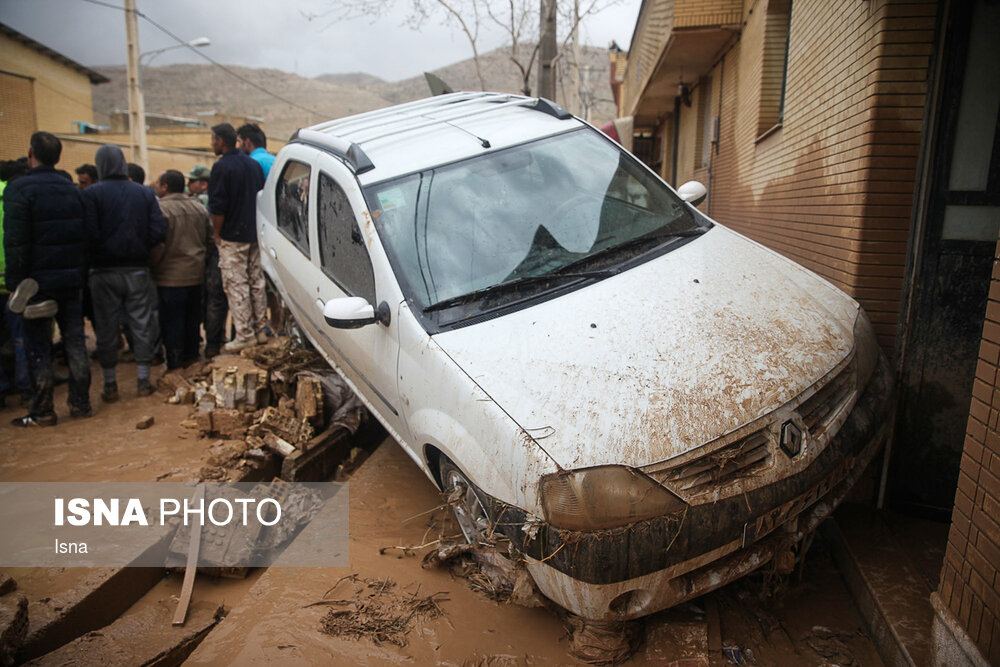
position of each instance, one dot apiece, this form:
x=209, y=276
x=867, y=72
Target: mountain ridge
x=185, y=90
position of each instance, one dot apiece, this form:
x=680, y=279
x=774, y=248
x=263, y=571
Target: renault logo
x=791, y=439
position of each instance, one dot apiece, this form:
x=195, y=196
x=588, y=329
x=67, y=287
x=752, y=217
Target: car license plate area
x=767, y=522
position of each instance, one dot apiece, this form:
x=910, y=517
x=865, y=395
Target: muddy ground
x=811, y=621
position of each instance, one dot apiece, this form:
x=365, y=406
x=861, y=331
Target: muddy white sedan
x=646, y=404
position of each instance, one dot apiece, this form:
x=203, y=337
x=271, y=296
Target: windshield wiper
x=513, y=285
x=653, y=241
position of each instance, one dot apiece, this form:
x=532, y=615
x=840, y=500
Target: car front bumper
x=629, y=572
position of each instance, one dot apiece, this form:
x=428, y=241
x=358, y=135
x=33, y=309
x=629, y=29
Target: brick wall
x=832, y=187
x=970, y=580
x=17, y=115
x=62, y=94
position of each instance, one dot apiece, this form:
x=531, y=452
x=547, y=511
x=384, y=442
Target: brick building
x=859, y=138
x=40, y=89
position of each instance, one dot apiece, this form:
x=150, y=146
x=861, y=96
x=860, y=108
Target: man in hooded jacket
x=123, y=222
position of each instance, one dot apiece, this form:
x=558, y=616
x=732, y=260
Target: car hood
x=643, y=366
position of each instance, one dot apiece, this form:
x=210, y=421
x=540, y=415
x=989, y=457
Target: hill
x=184, y=90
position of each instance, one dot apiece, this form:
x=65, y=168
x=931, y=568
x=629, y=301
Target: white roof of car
x=411, y=137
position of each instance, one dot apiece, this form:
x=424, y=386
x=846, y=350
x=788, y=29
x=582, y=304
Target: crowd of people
x=160, y=266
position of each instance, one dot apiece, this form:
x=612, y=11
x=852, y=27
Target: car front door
x=344, y=265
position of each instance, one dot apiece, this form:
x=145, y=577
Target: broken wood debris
x=379, y=612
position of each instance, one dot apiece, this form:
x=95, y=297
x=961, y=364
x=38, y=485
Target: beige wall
x=62, y=94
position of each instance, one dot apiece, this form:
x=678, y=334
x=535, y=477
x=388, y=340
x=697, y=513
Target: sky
x=275, y=33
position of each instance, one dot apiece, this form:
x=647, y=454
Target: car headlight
x=604, y=497
x=866, y=348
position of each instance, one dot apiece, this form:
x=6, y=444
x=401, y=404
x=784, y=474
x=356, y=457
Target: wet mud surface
x=812, y=623
x=269, y=619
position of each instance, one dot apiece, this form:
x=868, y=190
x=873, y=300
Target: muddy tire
x=465, y=502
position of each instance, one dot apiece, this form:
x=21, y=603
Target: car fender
x=512, y=478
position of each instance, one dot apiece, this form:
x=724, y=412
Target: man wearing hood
x=123, y=222
x=46, y=257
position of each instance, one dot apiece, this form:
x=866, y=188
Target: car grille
x=753, y=453
x=819, y=408
x=733, y=461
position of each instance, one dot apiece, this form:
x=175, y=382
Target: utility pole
x=546, y=49
x=136, y=104
x=575, y=101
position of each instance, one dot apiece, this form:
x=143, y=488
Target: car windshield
x=572, y=206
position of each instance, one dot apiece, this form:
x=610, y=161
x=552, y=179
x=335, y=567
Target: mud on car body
x=647, y=404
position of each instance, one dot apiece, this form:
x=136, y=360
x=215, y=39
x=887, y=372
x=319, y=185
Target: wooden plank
x=192, y=565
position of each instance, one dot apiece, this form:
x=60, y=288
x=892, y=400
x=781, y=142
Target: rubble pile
x=272, y=401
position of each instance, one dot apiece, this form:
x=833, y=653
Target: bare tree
x=463, y=13
x=517, y=19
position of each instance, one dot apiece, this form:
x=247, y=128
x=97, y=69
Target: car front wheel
x=465, y=503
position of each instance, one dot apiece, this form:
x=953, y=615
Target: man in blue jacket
x=45, y=250
x=123, y=222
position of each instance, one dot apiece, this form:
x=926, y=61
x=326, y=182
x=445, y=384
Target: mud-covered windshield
x=567, y=208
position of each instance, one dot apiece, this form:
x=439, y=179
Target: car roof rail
x=548, y=107
x=350, y=152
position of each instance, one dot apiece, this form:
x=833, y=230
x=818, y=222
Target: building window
x=774, y=70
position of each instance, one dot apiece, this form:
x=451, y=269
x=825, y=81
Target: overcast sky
x=272, y=33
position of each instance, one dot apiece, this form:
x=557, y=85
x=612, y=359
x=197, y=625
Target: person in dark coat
x=45, y=248
x=122, y=222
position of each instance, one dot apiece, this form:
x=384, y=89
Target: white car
x=645, y=403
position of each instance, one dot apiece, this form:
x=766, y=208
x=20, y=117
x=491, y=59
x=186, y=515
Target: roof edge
x=95, y=77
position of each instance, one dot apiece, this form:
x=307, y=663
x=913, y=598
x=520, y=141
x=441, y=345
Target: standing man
x=251, y=140
x=123, y=223
x=86, y=175
x=232, y=201
x=198, y=184
x=214, y=304
x=178, y=267
x=45, y=247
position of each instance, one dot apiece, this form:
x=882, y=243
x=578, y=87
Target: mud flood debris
x=492, y=567
x=13, y=620
x=273, y=402
x=378, y=611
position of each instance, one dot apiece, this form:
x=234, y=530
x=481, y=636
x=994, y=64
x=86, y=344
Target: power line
x=209, y=58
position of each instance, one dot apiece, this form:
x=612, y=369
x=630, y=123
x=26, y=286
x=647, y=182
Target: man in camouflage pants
x=232, y=201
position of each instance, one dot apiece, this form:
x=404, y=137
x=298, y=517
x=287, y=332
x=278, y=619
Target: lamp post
x=136, y=102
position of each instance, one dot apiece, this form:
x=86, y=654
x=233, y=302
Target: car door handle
x=320, y=304
x=274, y=253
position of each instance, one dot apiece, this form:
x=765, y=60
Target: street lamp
x=136, y=103
x=199, y=41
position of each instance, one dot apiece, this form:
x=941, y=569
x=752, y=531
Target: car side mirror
x=693, y=192
x=354, y=312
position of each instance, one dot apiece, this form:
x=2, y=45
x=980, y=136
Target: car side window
x=343, y=254
x=292, y=204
